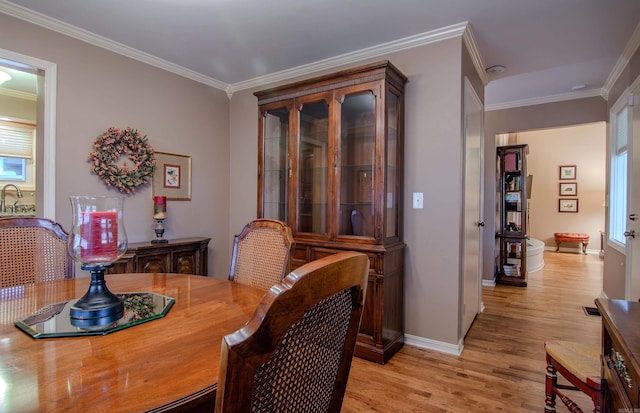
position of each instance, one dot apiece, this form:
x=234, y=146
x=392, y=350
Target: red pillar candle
x=159, y=207
x=99, y=233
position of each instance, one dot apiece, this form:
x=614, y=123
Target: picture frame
x=567, y=172
x=567, y=205
x=568, y=189
x=172, y=176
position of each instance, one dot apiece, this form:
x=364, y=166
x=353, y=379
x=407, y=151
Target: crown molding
x=17, y=94
x=470, y=41
x=449, y=32
x=546, y=99
x=102, y=42
x=410, y=42
x=623, y=61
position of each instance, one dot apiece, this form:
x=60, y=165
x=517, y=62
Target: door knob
x=633, y=217
x=481, y=224
x=631, y=234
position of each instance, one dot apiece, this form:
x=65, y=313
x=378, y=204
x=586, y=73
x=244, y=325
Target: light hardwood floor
x=502, y=366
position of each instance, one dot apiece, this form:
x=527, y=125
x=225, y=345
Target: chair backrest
x=262, y=253
x=294, y=354
x=33, y=250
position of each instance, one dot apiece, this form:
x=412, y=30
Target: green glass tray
x=54, y=320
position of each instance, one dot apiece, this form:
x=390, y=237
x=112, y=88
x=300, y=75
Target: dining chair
x=262, y=253
x=33, y=250
x=295, y=353
x=579, y=364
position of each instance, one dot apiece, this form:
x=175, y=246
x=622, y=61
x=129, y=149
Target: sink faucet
x=3, y=207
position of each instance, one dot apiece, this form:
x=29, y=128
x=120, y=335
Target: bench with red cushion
x=582, y=239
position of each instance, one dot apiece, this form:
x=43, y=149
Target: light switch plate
x=417, y=200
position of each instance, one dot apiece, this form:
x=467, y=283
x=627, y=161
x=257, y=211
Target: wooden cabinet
x=620, y=348
x=512, y=211
x=184, y=256
x=330, y=165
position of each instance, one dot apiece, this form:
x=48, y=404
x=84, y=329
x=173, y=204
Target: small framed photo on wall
x=172, y=176
x=567, y=205
x=567, y=172
x=568, y=189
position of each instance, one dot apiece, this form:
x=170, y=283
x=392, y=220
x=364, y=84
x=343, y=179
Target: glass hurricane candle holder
x=96, y=241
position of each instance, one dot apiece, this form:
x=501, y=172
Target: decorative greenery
x=109, y=147
x=141, y=306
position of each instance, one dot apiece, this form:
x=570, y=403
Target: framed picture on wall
x=567, y=205
x=172, y=176
x=568, y=189
x=568, y=172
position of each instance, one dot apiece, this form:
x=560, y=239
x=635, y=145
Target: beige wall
x=97, y=89
x=583, y=146
x=16, y=108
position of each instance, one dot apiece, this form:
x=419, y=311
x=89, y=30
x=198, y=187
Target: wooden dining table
x=166, y=364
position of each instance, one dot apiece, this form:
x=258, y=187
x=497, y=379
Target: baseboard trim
x=489, y=283
x=428, y=344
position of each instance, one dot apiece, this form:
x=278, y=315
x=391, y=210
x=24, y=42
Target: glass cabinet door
x=357, y=159
x=313, y=153
x=275, y=130
x=393, y=183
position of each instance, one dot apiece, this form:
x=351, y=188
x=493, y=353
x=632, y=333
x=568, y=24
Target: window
x=17, y=163
x=620, y=130
x=13, y=169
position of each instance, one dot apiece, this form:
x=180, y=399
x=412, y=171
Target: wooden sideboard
x=620, y=355
x=184, y=256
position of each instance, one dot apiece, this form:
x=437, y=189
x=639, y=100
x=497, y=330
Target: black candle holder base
x=99, y=306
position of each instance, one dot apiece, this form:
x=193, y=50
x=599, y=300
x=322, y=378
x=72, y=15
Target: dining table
x=166, y=364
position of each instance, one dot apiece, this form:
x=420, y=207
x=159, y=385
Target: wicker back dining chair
x=294, y=354
x=33, y=250
x=262, y=253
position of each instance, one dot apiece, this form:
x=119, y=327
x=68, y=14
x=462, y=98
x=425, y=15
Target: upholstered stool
x=582, y=239
x=578, y=363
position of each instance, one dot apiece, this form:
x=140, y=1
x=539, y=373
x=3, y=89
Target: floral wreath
x=107, y=150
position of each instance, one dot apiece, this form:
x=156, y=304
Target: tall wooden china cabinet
x=330, y=162
x=512, y=207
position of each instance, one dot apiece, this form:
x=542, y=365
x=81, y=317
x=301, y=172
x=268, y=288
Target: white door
x=632, y=233
x=472, y=194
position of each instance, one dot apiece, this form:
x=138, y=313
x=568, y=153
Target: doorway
x=45, y=94
x=582, y=146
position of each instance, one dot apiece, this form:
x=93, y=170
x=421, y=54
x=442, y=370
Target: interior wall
x=17, y=108
x=97, y=89
x=583, y=146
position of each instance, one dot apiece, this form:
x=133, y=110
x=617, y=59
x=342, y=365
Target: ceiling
x=552, y=49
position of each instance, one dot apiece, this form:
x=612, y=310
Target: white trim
x=449, y=32
x=96, y=40
x=623, y=61
x=429, y=344
x=470, y=40
x=18, y=94
x=48, y=186
x=488, y=283
x=545, y=99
